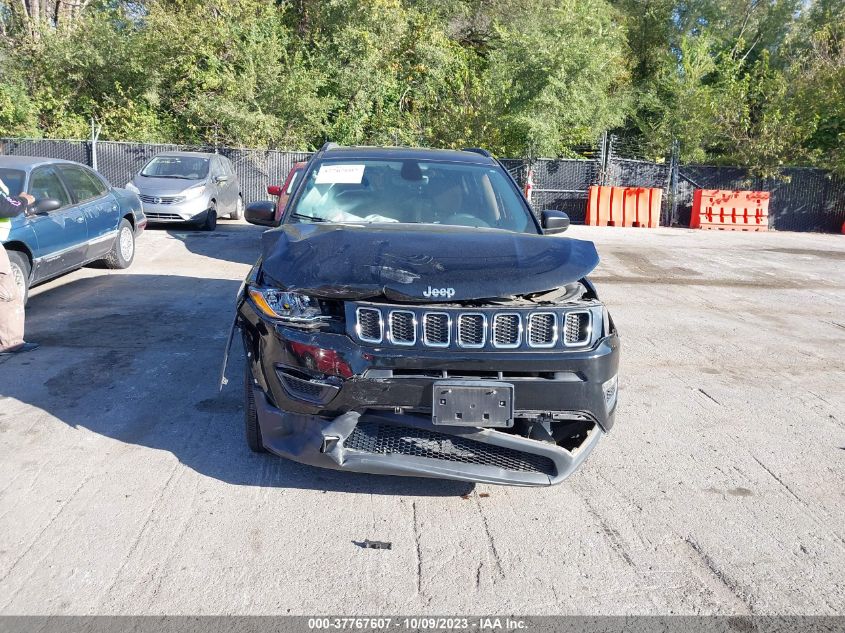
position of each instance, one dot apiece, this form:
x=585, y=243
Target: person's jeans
x=11, y=307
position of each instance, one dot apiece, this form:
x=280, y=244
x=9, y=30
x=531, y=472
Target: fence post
x=95, y=134
x=672, y=193
x=602, y=175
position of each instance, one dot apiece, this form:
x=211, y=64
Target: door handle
x=80, y=220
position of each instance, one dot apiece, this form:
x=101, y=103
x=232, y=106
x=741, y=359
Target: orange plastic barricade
x=730, y=210
x=624, y=206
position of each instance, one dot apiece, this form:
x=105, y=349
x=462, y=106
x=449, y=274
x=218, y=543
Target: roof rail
x=328, y=146
x=478, y=150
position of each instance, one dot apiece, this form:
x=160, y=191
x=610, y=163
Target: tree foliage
x=756, y=82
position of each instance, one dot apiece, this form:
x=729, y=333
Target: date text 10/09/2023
x=483, y=623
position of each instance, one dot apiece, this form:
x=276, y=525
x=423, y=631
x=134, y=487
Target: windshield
x=188, y=167
x=411, y=191
x=11, y=181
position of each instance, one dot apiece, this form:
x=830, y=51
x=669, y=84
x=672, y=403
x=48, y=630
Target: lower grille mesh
x=385, y=439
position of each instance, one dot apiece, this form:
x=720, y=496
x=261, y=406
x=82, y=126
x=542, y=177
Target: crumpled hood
x=419, y=262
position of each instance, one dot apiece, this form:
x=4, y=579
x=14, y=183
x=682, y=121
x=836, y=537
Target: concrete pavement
x=126, y=486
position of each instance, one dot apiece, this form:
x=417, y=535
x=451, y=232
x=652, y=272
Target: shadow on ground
x=136, y=358
x=240, y=243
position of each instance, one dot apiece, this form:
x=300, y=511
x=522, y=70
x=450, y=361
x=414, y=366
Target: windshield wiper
x=313, y=218
x=180, y=177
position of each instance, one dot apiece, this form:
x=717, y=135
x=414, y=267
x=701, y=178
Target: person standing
x=11, y=300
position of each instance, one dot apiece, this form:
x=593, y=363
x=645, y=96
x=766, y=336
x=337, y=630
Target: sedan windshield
x=188, y=167
x=12, y=181
x=411, y=191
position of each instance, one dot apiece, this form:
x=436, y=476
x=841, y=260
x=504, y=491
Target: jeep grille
x=485, y=328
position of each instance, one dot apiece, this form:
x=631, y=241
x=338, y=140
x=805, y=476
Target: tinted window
x=12, y=180
x=101, y=185
x=227, y=167
x=412, y=191
x=81, y=185
x=45, y=183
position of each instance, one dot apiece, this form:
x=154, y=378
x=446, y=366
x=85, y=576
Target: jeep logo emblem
x=439, y=292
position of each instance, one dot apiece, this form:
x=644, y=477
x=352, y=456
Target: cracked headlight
x=289, y=308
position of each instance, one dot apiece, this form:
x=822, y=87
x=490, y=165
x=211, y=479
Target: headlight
x=290, y=308
x=132, y=188
x=193, y=192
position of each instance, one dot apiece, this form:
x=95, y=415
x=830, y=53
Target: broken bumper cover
x=390, y=444
x=324, y=400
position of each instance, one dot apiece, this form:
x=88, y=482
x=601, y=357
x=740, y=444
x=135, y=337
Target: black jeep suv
x=410, y=316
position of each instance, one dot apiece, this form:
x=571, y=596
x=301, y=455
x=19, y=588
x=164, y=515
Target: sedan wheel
x=238, y=213
x=123, y=251
x=20, y=273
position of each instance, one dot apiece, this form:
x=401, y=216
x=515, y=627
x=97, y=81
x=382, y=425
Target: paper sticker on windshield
x=340, y=174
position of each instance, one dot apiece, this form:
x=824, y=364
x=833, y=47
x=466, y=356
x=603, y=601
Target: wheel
x=253, y=431
x=20, y=271
x=238, y=213
x=123, y=251
x=210, y=222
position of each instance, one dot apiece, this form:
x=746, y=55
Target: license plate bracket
x=485, y=403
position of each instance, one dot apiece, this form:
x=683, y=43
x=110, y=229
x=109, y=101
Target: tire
x=210, y=222
x=238, y=213
x=21, y=271
x=253, y=430
x=122, y=253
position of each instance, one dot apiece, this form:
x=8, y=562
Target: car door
x=62, y=234
x=233, y=184
x=102, y=211
x=225, y=183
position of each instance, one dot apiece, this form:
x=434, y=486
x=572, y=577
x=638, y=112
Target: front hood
x=419, y=262
x=163, y=186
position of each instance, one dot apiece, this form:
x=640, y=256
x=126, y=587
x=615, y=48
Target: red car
x=285, y=190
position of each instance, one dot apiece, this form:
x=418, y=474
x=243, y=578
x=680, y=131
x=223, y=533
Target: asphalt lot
x=126, y=486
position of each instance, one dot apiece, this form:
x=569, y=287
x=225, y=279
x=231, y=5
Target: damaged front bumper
x=390, y=444
x=325, y=400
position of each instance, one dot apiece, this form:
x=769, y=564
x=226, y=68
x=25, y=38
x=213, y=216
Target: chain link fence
x=119, y=162
x=803, y=199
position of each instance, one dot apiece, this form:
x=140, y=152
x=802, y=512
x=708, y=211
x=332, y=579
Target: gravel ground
x=126, y=486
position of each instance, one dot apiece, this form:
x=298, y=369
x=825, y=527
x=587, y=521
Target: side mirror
x=261, y=213
x=274, y=190
x=554, y=221
x=45, y=205
x=219, y=179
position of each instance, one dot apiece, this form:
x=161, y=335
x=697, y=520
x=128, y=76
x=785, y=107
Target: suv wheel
x=253, y=431
x=123, y=252
x=238, y=213
x=20, y=272
x=210, y=222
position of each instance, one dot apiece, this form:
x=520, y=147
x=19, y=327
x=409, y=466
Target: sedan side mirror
x=554, y=221
x=274, y=190
x=262, y=213
x=45, y=205
x=220, y=179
